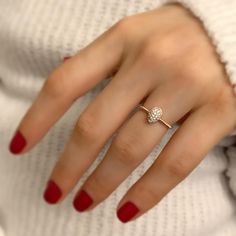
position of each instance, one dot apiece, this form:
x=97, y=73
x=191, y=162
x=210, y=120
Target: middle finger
x=96, y=124
x=133, y=143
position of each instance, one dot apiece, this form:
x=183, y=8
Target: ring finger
x=133, y=143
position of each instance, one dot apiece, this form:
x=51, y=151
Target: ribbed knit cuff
x=219, y=20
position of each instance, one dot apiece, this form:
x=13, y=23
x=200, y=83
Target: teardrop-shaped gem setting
x=154, y=114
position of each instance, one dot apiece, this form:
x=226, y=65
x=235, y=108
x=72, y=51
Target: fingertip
x=82, y=201
x=17, y=143
x=127, y=211
x=52, y=193
x=66, y=58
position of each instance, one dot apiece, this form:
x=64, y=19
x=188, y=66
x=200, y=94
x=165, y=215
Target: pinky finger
x=199, y=132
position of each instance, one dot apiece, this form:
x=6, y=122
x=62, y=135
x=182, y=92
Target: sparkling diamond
x=154, y=114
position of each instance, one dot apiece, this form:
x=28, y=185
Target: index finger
x=66, y=83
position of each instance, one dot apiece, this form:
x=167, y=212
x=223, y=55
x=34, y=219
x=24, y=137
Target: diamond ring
x=154, y=115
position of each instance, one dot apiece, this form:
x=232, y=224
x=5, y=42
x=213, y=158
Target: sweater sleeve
x=219, y=20
x=231, y=170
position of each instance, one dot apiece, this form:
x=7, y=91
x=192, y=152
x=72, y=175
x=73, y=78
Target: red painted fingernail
x=127, y=211
x=82, y=201
x=66, y=58
x=52, y=193
x=17, y=144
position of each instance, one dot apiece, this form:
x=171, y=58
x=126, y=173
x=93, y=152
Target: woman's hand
x=162, y=57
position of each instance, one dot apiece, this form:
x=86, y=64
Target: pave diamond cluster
x=154, y=114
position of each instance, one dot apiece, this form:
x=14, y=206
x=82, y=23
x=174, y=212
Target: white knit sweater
x=34, y=37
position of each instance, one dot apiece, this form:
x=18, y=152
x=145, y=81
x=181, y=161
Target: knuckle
x=87, y=126
x=98, y=186
x=123, y=24
x=55, y=84
x=190, y=68
x=150, y=55
x=177, y=169
x=226, y=98
x=190, y=76
x=150, y=193
x=220, y=106
x=167, y=48
x=224, y=102
x=224, y=109
x=125, y=151
x=60, y=166
x=156, y=51
x=124, y=27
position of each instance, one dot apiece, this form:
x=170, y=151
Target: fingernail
x=66, y=58
x=127, y=211
x=17, y=144
x=82, y=201
x=52, y=193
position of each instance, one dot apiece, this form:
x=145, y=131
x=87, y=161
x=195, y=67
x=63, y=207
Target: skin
x=163, y=58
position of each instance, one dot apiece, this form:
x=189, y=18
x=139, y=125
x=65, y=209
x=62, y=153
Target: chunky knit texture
x=34, y=37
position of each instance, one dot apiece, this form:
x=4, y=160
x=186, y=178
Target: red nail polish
x=66, y=58
x=82, y=201
x=52, y=193
x=17, y=144
x=127, y=211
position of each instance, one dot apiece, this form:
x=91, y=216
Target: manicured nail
x=82, y=201
x=127, y=211
x=66, y=58
x=52, y=193
x=17, y=144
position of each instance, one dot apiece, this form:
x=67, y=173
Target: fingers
x=185, y=150
x=96, y=124
x=130, y=147
x=68, y=82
